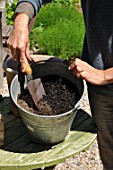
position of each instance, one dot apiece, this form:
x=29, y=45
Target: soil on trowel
x=61, y=96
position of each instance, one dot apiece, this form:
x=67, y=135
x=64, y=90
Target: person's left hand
x=83, y=70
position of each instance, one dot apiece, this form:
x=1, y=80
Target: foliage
x=50, y=14
x=10, y=12
x=66, y=2
x=58, y=31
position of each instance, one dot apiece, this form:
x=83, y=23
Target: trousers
x=102, y=112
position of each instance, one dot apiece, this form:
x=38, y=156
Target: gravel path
x=88, y=160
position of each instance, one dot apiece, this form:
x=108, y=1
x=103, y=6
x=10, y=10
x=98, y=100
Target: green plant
x=66, y=2
x=10, y=12
x=60, y=32
x=53, y=13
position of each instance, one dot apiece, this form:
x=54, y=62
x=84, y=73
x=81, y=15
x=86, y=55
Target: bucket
x=10, y=68
x=48, y=129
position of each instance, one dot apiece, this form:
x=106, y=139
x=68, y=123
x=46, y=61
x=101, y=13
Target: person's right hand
x=92, y=75
x=18, y=41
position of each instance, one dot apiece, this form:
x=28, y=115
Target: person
x=95, y=65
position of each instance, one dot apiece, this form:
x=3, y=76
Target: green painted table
x=19, y=152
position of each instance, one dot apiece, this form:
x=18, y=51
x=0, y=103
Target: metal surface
x=36, y=89
x=35, y=86
x=49, y=129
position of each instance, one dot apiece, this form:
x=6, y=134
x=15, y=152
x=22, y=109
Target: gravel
x=89, y=160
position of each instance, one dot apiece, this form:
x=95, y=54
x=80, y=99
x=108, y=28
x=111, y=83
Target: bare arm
x=19, y=39
x=94, y=76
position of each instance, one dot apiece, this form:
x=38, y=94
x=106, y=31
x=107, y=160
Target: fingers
x=27, y=52
x=75, y=63
x=18, y=40
x=23, y=61
x=76, y=67
x=20, y=52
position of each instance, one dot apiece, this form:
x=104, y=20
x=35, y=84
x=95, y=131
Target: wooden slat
x=13, y=137
x=13, y=124
x=6, y=101
x=8, y=118
x=9, y=31
x=34, y=148
x=3, y=11
x=5, y=154
x=6, y=33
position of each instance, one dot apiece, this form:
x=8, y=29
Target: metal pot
x=48, y=129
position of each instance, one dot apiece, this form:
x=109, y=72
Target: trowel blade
x=36, y=89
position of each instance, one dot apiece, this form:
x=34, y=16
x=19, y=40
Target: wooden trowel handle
x=28, y=70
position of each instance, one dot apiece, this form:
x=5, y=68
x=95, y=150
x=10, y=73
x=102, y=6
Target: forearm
x=18, y=40
x=21, y=21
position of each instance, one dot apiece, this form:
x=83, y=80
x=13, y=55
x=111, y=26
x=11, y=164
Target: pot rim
x=76, y=107
x=6, y=65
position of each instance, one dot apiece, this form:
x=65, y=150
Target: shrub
x=52, y=13
x=10, y=9
x=60, y=31
x=66, y=2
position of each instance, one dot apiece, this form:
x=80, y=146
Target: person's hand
x=18, y=41
x=83, y=70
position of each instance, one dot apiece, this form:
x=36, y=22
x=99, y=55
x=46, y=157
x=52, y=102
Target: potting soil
x=61, y=96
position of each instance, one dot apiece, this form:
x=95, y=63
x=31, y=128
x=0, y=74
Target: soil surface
x=61, y=96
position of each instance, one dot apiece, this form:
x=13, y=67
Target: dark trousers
x=102, y=112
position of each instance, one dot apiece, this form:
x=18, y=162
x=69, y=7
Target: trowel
x=34, y=86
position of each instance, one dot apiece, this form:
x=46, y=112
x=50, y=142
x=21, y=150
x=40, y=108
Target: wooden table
x=19, y=152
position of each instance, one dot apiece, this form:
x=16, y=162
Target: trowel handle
x=28, y=70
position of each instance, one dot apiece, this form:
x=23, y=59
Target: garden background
x=58, y=29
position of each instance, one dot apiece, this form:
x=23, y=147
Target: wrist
x=21, y=20
x=108, y=76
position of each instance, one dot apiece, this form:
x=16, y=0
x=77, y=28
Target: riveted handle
x=28, y=70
